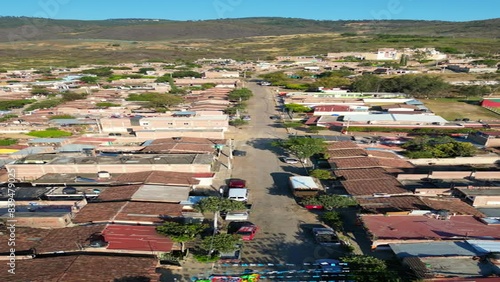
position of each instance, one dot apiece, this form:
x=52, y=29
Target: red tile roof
x=369, y=187
x=26, y=238
x=365, y=173
x=118, y=193
x=83, y=268
x=356, y=162
x=423, y=227
x=159, y=177
x=136, y=238
x=347, y=153
x=188, y=140
x=98, y=212
x=332, y=108
x=342, y=145
x=382, y=154
x=68, y=239
x=409, y=203
x=148, y=212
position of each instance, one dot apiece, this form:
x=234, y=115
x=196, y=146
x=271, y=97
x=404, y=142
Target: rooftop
x=162, y=193
x=480, y=191
x=76, y=268
x=365, y=173
x=303, y=183
x=136, y=238
x=159, y=177
x=119, y=159
x=422, y=227
x=435, y=249
x=369, y=187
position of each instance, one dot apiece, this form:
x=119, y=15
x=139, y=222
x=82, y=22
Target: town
x=348, y=166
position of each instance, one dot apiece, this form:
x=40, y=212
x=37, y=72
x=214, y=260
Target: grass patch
x=49, y=133
x=451, y=109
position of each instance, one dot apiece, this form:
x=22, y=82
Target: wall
x=147, y=135
x=458, y=161
x=486, y=201
x=44, y=222
x=34, y=171
x=452, y=175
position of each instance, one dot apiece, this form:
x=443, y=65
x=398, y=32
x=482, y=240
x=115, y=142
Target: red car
x=237, y=183
x=247, y=233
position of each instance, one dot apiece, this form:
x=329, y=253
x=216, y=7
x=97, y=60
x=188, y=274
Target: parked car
x=275, y=117
x=246, y=118
x=237, y=183
x=326, y=237
x=239, y=153
x=247, y=233
x=289, y=160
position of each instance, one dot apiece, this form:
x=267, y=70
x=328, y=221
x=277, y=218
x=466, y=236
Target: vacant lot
x=451, y=109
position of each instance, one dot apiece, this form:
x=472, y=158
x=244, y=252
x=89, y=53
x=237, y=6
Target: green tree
x=474, y=90
x=165, y=101
x=39, y=90
x=8, y=141
x=276, y=78
x=104, y=71
x=61, y=117
x=206, y=86
x=214, y=204
x=15, y=104
x=369, y=269
x=332, y=219
x=303, y=147
x=366, y=83
x=292, y=124
x=180, y=233
x=297, y=108
x=145, y=70
x=322, y=174
x=238, y=122
x=438, y=147
x=72, y=96
x=222, y=243
x=242, y=94
x=89, y=79
x=331, y=82
x=106, y=105
x=186, y=73
x=336, y=201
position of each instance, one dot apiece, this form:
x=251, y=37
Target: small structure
x=305, y=186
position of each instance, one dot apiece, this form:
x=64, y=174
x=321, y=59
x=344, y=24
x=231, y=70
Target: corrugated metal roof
x=137, y=238
x=75, y=148
x=485, y=246
x=303, y=182
x=434, y=249
x=161, y=193
x=72, y=121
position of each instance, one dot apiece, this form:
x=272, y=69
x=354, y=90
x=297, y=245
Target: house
x=54, y=216
x=76, y=268
x=33, y=167
x=339, y=110
x=485, y=196
x=221, y=74
x=48, y=142
x=486, y=138
x=426, y=228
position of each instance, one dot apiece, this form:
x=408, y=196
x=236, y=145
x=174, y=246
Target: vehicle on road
x=247, y=233
x=238, y=194
x=231, y=257
x=237, y=183
x=290, y=160
x=326, y=237
x=239, y=153
x=275, y=117
x=246, y=118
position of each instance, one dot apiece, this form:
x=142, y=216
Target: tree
x=165, y=101
x=332, y=219
x=214, y=204
x=106, y=105
x=180, y=233
x=336, y=201
x=8, y=141
x=438, y=147
x=369, y=269
x=39, y=90
x=186, y=73
x=238, y=122
x=89, y=79
x=366, y=83
x=297, y=108
x=303, y=147
x=72, y=96
x=145, y=70
x=242, y=94
x=61, y=117
x=222, y=243
x=49, y=133
x=321, y=174
x=104, y=71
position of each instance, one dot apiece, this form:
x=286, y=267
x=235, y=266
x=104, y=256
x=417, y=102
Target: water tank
x=103, y=174
x=69, y=191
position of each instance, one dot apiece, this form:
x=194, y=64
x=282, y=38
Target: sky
x=446, y=10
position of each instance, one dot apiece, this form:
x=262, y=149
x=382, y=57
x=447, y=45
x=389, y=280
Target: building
x=221, y=74
x=485, y=138
x=479, y=196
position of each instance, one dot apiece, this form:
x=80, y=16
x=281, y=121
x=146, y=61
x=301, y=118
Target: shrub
x=49, y=133
x=8, y=142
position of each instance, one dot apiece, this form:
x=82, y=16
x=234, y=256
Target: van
x=236, y=216
x=238, y=194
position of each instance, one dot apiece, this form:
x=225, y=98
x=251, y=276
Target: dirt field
x=451, y=109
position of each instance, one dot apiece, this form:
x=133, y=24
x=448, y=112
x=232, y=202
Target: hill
x=29, y=29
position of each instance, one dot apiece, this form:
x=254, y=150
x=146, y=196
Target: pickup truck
x=326, y=237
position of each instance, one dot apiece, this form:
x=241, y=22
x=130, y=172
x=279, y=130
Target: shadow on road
x=295, y=170
x=266, y=144
x=280, y=186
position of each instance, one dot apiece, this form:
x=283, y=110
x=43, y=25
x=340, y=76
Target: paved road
x=283, y=236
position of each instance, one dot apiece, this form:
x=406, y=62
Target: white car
x=290, y=160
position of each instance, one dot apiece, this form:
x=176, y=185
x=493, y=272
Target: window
x=145, y=123
x=186, y=123
x=170, y=123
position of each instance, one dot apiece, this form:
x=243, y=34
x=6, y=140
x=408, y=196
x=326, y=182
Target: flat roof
x=73, y=178
x=434, y=249
x=121, y=159
x=48, y=140
x=394, y=117
x=303, y=183
x=136, y=238
x=161, y=193
x=24, y=193
x=461, y=267
x=480, y=191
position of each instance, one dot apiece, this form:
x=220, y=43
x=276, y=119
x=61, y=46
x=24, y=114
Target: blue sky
x=449, y=10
